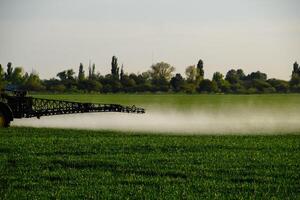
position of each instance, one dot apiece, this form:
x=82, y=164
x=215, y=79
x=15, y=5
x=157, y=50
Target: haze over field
x=205, y=121
x=50, y=36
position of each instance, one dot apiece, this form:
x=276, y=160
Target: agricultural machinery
x=16, y=104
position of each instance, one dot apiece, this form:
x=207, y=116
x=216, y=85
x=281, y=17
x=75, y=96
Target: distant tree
x=161, y=74
x=128, y=82
x=177, y=83
x=263, y=86
x=191, y=83
x=1, y=73
x=33, y=83
x=232, y=76
x=200, y=71
x=296, y=69
x=90, y=85
x=70, y=74
x=114, y=67
x=257, y=76
x=162, y=70
x=2, y=78
x=122, y=72
x=58, y=88
x=279, y=85
x=17, y=76
x=189, y=88
x=81, y=75
x=110, y=84
x=143, y=82
x=295, y=78
x=9, y=71
x=217, y=77
x=62, y=75
x=191, y=73
x=66, y=75
x=240, y=74
x=207, y=86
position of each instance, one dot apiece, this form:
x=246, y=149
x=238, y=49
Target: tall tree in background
x=17, y=76
x=177, y=82
x=200, y=71
x=70, y=74
x=9, y=71
x=191, y=73
x=295, y=79
x=122, y=73
x=81, y=75
x=191, y=76
x=62, y=75
x=1, y=77
x=1, y=73
x=114, y=67
x=161, y=74
x=92, y=73
x=296, y=69
x=33, y=82
x=162, y=70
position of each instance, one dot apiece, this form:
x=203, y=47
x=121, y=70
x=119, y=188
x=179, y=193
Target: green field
x=182, y=100
x=44, y=163
x=67, y=164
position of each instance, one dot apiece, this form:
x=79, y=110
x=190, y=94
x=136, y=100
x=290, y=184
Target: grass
x=74, y=164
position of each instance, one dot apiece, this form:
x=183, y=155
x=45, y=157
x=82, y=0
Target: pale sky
x=53, y=35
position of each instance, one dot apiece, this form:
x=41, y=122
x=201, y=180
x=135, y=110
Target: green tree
x=218, y=77
x=296, y=69
x=177, y=83
x=9, y=71
x=295, y=78
x=161, y=74
x=17, y=76
x=128, y=82
x=62, y=75
x=207, y=86
x=1, y=73
x=2, y=78
x=200, y=71
x=114, y=67
x=122, y=72
x=33, y=82
x=81, y=75
x=162, y=70
x=257, y=76
x=70, y=74
x=90, y=85
x=232, y=76
x=191, y=73
x=280, y=85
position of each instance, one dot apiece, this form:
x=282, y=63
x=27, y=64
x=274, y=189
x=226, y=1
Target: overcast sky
x=52, y=35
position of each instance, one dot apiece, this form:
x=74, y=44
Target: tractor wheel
x=3, y=120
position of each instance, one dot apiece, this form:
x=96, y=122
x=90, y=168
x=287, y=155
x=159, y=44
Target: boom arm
x=44, y=107
x=21, y=106
x=35, y=107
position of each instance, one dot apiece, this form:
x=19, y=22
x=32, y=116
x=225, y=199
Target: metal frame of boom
x=22, y=106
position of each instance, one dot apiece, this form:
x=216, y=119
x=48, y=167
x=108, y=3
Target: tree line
x=159, y=78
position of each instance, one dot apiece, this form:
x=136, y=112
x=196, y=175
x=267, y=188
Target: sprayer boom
x=19, y=105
